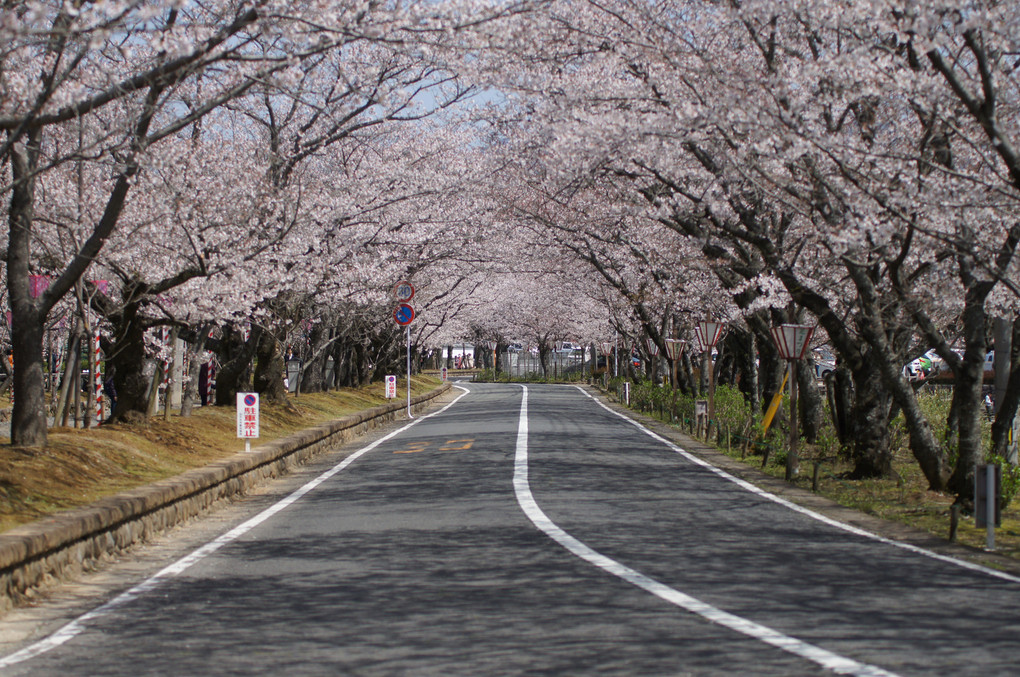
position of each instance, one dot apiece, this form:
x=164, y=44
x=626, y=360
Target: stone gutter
x=36, y=554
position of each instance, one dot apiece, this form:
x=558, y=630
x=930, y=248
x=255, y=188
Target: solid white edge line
x=77, y=626
x=801, y=509
x=822, y=657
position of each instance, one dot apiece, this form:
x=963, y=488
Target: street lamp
x=675, y=350
x=792, y=341
x=606, y=347
x=708, y=333
x=491, y=345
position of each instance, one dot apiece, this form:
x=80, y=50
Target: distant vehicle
x=825, y=362
x=938, y=365
x=567, y=347
x=941, y=370
x=914, y=372
x=515, y=348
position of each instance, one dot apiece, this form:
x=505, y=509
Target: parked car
x=914, y=372
x=825, y=363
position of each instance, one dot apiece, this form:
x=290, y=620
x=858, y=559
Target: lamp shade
x=708, y=333
x=675, y=348
x=792, y=339
x=606, y=347
x=653, y=349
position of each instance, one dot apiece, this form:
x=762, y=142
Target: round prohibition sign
x=249, y=400
x=404, y=314
x=403, y=291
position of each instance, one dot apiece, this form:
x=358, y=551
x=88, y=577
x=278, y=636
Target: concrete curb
x=36, y=554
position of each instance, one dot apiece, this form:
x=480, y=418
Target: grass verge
x=903, y=497
x=81, y=466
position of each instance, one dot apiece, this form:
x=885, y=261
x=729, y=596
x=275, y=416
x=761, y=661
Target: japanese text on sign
x=247, y=415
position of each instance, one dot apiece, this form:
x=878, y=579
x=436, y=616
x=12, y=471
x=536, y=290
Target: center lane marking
x=826, y=659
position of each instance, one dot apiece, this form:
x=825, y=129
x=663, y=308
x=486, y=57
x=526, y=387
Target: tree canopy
x=257, y=175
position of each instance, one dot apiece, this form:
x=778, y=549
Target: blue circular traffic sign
x=404, y=314
x=249, y=400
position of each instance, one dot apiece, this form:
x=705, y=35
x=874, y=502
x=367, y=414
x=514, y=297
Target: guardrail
x=32, y=555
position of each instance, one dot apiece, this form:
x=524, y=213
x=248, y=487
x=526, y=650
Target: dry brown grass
x=78, y=466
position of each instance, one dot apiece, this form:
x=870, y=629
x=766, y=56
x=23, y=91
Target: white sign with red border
x=403, y=291
x=247, y=415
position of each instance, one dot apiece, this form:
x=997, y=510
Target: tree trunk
x=235, y=365
x=1010, y=400
x=269, y=367
x=62, y=400
x=127, y=355
x=840, y=393
x=869, y=426
x=194, y=352
x=810, y=399
x=313, y=373
x=28, y=418
x=158, y=376
x=967, y=400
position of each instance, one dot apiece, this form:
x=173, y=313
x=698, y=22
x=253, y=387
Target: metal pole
x=711, y=392
x=990, y=499
x=616, y=358
x=409, y=415
x=792, y=462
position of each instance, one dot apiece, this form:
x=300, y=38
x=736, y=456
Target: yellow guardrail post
x=774, y=405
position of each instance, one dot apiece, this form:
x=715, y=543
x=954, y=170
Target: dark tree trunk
x=967, y=402
x=194, y=351
x=313, y=374
x=28, y=418
x=269, y=367
x=839, y=389
x=235, y=356
x=810, y=400
x=127, y=355
x=1011, y=399
x=749, y=368
x=869, y=426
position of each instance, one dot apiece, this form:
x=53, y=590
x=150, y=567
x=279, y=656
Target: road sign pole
x=409, y=415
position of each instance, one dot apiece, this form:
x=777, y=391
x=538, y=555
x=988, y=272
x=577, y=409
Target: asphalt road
x=521, y=531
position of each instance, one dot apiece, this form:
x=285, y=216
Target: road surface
x=521, y=531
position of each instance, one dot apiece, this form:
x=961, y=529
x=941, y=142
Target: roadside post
x=247, y=418
x=700, y=418
x=675, y=350
x=404, y=316
x=653, y=356
x=792, y=341
x=987, y=485
x=606, y=347
x=492, y=345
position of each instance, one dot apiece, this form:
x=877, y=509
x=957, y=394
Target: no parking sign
x=247, y=415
